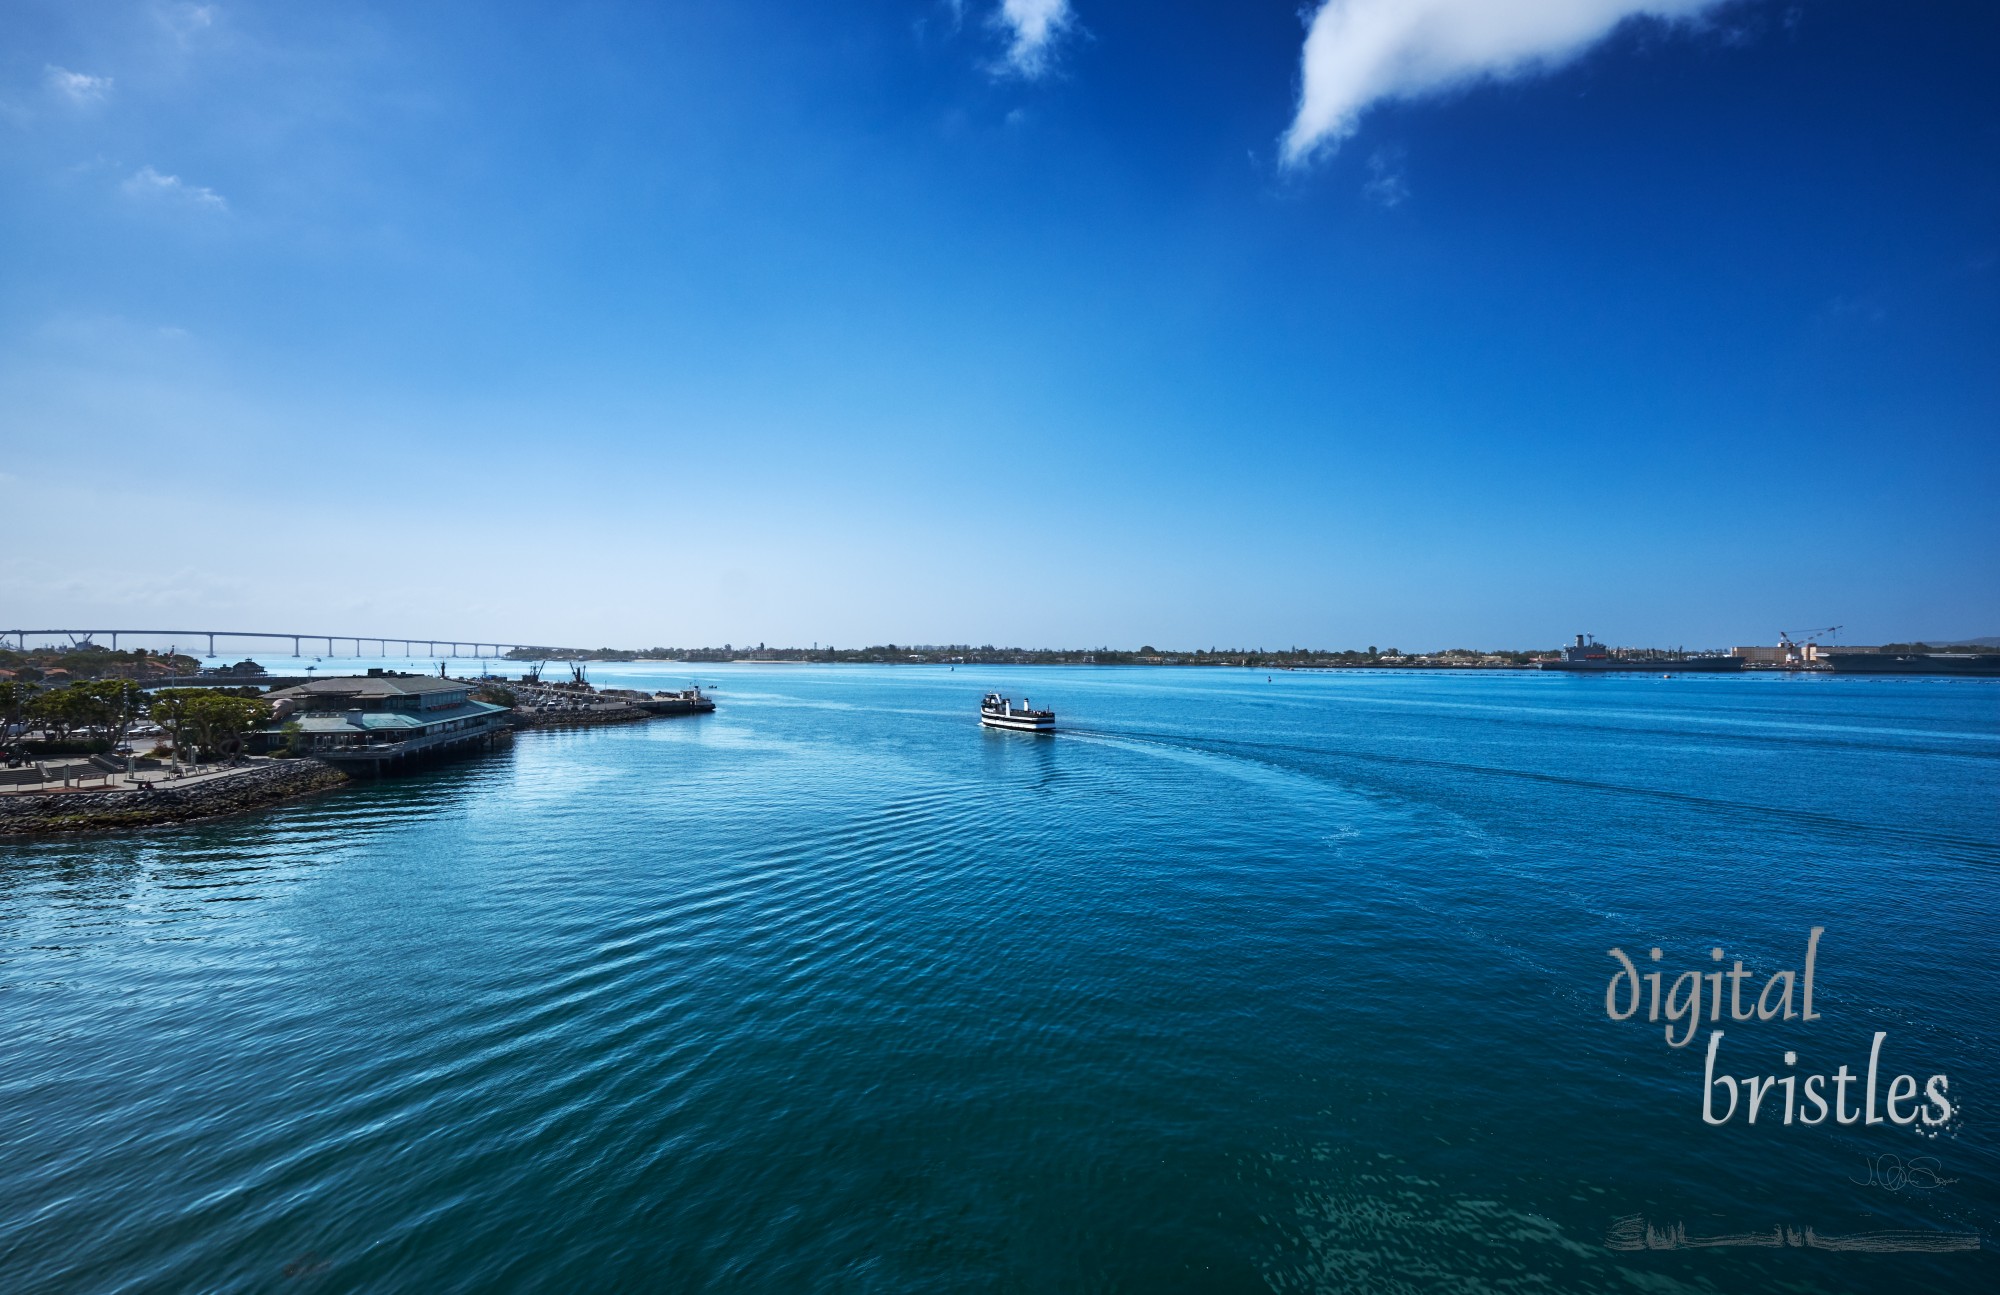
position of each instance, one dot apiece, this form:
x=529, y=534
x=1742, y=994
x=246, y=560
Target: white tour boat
x=998, y=712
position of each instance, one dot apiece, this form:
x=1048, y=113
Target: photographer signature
x=1633, y=1232
x=1893, y=1173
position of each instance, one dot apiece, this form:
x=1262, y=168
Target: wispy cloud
x=149, y=185
x=1358, y=52
x=77, y=87
x=187, y=19
x=1032, y=27
x=1388, y=182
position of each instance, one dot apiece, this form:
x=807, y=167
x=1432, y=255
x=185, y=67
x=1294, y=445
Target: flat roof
x=373, y=685
x=379, y=720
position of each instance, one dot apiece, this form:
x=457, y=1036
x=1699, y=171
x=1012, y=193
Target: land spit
x=261, y=783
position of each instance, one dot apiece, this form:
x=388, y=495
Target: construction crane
x=1804, y=650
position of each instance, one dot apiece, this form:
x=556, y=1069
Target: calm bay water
x=1236, y=985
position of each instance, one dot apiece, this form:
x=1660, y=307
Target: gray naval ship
x=1588, y=656
x=1952, y=663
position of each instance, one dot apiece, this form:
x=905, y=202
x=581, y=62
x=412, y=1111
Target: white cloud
x=1358, y=52
x=1033, y=26
x=148, y=185
x=77, y=87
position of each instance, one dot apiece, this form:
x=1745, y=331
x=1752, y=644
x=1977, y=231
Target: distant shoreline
x=1266, y=667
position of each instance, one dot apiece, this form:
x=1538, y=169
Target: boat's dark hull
x=1951, y=663
x=676, y=706
x=1675, y=665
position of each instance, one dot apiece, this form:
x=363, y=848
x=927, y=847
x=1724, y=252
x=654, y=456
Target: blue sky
x=1426, y=322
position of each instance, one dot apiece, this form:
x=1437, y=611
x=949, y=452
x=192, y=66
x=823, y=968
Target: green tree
x=113, y=705
x=88, y=712
x=221, y=722
x=14, y=698
x=62, y=711
x=169, y=709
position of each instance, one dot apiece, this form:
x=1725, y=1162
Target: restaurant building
x=376, y=720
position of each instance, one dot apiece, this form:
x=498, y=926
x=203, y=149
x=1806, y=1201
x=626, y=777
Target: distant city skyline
x=1026, y=322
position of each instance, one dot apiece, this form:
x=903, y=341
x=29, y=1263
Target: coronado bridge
x=301, y=644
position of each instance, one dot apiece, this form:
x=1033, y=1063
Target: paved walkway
x=72, y=777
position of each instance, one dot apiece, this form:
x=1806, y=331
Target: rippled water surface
x=1237, y=984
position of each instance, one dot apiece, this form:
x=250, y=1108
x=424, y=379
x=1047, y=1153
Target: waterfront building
x=383, y=717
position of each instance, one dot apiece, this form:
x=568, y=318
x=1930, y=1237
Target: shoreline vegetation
x=963, y=654
x=1295, y=658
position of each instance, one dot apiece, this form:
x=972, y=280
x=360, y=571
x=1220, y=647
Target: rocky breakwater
x=545, y=706
x=578, y=716
x=255, y=786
